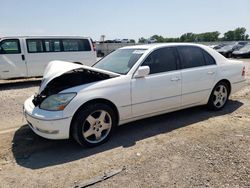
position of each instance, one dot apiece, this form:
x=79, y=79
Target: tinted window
x=161, y=60
x=76, y=45
x=10, y=46
x=209, y=59
x=191, y=56
x=34, y=45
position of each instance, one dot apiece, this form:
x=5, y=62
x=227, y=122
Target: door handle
x=175, y=79
x=210, y=72
x=23, y=57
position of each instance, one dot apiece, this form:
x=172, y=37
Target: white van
x=28, y=56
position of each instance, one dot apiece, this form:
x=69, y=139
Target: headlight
x=57, y=102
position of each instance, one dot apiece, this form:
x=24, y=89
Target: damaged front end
x=79, y=75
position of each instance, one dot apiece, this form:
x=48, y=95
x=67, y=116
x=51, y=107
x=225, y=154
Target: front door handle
x=23, y=57
x=175, y=79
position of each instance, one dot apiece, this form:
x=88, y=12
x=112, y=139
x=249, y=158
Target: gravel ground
x=188, y=148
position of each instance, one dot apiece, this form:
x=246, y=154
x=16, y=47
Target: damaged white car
x=132, y=83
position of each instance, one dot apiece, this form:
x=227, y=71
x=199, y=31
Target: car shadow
x=34, y=152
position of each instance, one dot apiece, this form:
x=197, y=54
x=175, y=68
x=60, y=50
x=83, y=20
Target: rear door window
x=191, y=56
x=10, y=46
x=209, y=59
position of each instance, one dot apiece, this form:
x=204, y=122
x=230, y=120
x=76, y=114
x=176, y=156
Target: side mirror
x=142, y=71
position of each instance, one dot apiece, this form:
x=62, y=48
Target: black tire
x=217, y=100
x=81, y=124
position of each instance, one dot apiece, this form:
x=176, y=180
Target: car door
x=198, y=74
x=161, y=89
x=12, y=63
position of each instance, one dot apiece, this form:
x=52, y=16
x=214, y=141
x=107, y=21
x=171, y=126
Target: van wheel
x=219, y=96
x=94, y=124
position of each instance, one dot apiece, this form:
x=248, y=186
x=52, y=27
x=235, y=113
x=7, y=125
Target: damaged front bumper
x=47, y=124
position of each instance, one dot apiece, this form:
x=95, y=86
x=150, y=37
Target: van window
x=191, y=56
x=10, y=46
x=34, y=45
x=76, y=45
x=53, y=45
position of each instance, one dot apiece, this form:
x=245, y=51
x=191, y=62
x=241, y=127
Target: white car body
x=135, y=98
x=33, y=54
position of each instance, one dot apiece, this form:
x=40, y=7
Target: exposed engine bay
x=67, y=80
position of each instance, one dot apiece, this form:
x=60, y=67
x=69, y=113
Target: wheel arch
x=228, y=84
x=92, y=101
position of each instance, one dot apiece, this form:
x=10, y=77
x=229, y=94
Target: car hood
x=58, y=68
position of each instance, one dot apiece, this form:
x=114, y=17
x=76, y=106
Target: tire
x=219, y=96
x=94, y=124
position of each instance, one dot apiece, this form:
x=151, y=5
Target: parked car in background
x=228, y=49
x=216, y=47
x=28, y=56
x=125, y=41
x=242, y=52
x=131, y=83
x=151, y=40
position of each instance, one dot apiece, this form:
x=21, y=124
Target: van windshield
x=120, y=61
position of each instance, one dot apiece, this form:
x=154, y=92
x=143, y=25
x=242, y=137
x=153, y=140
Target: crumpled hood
x=57, y=68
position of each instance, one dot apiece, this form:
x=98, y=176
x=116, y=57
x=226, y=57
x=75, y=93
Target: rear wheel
x=94, y=124
x=219, y=96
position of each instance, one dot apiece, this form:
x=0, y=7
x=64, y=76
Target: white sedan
x=132, y=83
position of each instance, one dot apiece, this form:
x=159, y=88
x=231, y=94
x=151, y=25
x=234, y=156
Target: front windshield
x=247, y=47
x=120, y=61
x=228, y=47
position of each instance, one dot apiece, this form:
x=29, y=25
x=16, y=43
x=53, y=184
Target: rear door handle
x=23, y=57
x=210, y=72
x=175, y=79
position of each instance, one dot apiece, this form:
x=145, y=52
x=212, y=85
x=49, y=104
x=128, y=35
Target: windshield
x=228, y=47
x=120, y=61
x=247, y=47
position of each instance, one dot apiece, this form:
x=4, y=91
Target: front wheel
x=219, y=96
x=94, y=124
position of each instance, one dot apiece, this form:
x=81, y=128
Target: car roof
x=158, y=45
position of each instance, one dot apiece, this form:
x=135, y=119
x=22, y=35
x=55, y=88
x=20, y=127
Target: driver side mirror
x=142, y=71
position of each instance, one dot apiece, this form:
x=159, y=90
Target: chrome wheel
x=220, y=96
x=97, y=126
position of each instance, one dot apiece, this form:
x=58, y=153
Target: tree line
x=238, y=34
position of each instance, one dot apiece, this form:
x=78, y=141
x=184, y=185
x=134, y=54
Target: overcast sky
x=121, y=18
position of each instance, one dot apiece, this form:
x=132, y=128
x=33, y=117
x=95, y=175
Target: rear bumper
x=236, y=86
x=47, y=124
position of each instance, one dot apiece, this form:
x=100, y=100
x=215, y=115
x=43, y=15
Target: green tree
x=141, y=40
x=237, y=34
x=159, y=38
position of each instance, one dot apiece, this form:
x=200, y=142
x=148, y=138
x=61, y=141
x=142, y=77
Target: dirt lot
x=188, y=148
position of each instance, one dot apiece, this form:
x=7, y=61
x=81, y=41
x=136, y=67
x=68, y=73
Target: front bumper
x=47, y=124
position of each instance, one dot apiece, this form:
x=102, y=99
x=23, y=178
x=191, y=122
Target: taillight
x=243, y=71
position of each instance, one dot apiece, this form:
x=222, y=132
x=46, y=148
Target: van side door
x=12, y=62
